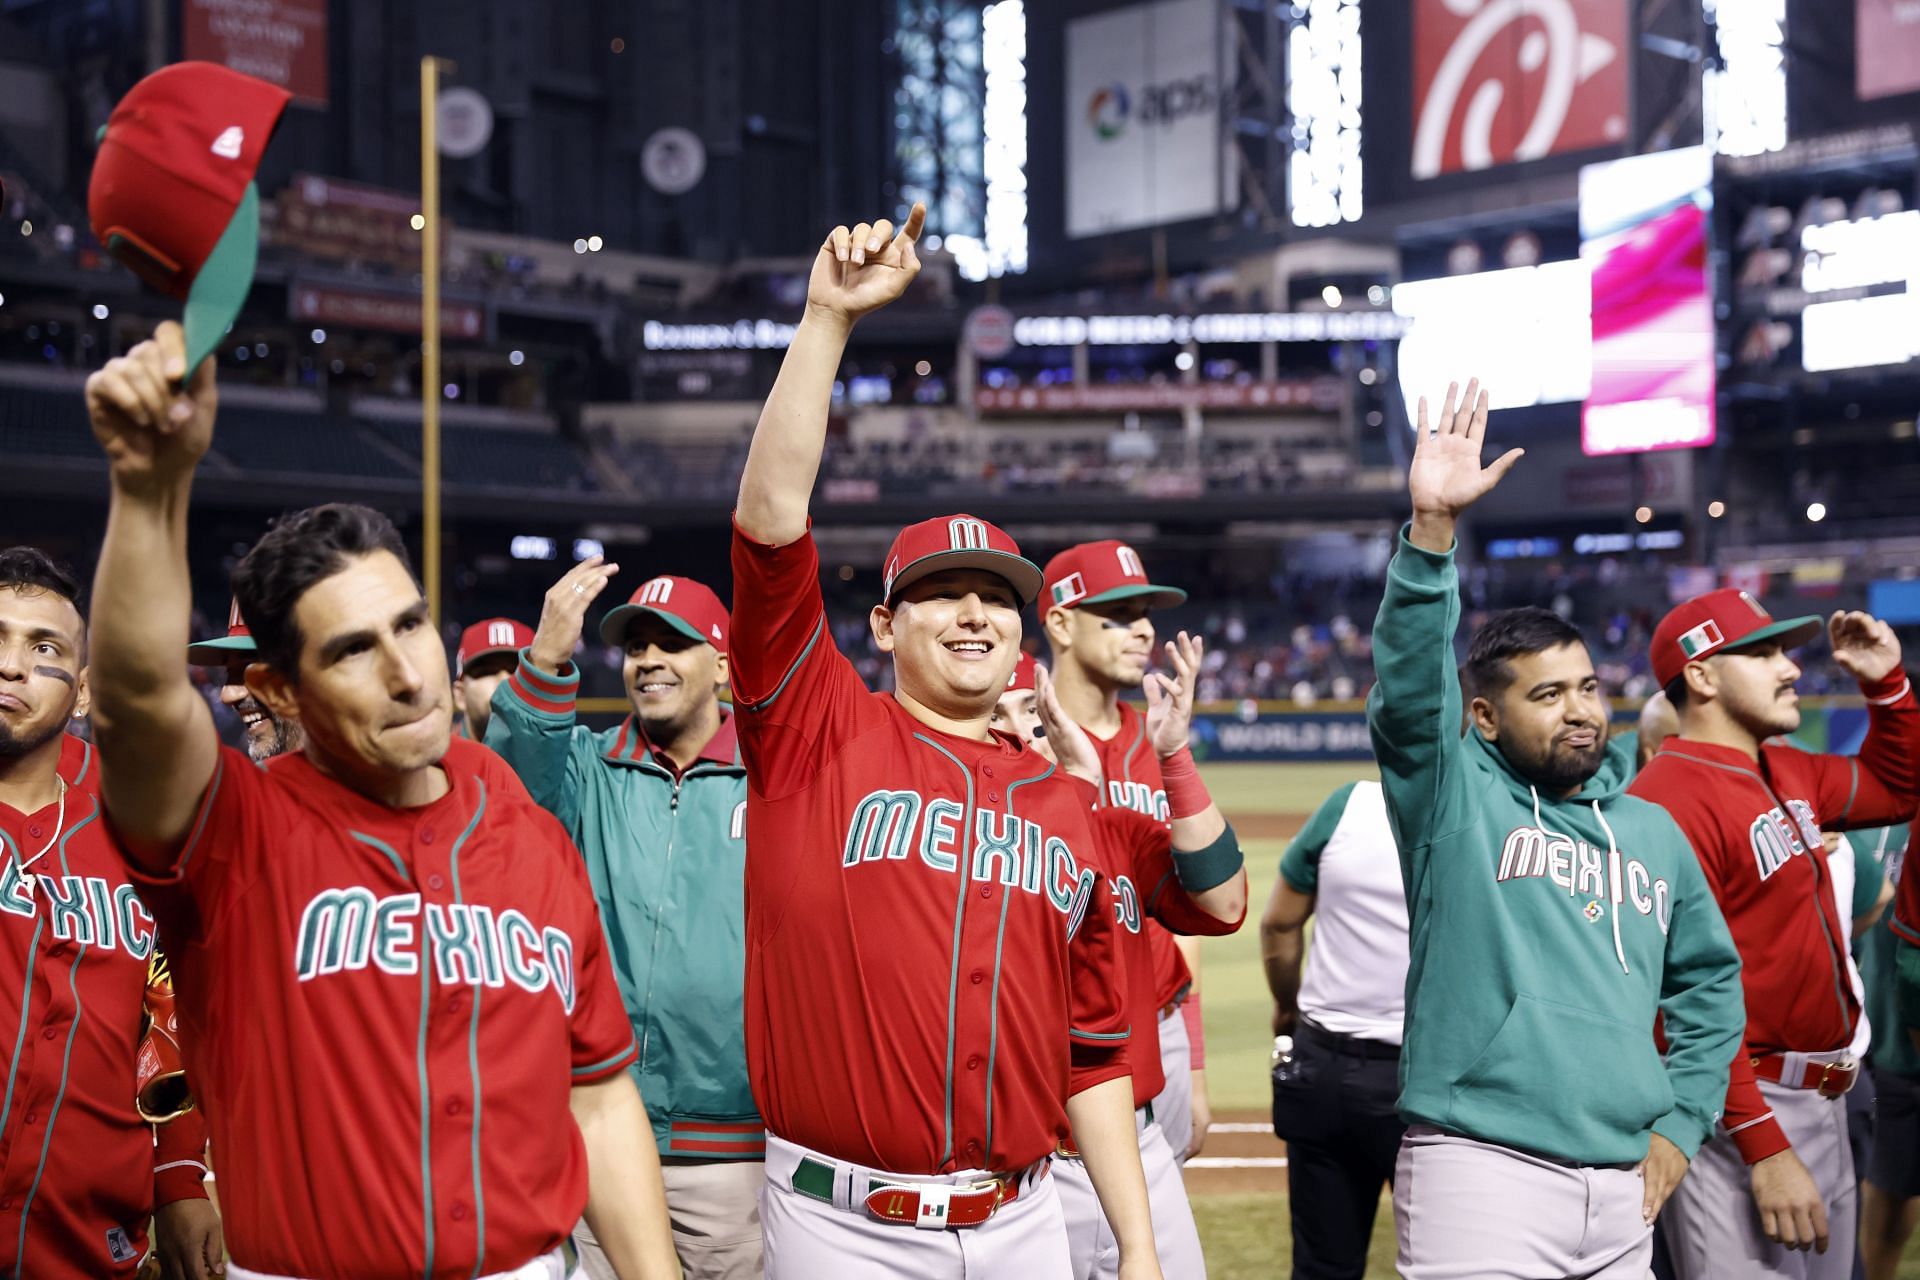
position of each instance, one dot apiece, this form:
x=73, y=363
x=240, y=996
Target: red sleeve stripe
x=1904, y=931
x=552, y=706
x=552, y=686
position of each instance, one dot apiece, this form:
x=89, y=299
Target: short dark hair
x=31, y=571
x=1676, y=691
x=1513, y=633
x=298, y=550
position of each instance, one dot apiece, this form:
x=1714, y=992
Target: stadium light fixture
x=319, y=336
x=100, y=311
x=1324, y=102
x=1644, y=515
x=418, y=222
x=1332, y=296
x=1183, y=361
x=1716, y=509
x=516, y=358
x=1816, y=511
x=595, y=244
x=26, y=226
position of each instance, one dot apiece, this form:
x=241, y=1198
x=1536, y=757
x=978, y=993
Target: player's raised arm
x=857, y=270
x=1207, y=860
x=1414, y=708
x=156, y=736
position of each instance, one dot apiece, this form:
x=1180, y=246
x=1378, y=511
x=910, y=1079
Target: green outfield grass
x=1246, y=1235
x=1238, y=1011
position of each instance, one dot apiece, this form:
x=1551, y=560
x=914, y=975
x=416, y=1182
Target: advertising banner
x=366, y=309
x=1643, y=231
x=1886, y=36
x=1501, y=81
x=1143, y=117
x=283, y=42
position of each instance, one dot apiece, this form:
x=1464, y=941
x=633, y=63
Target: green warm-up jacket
x=1546, y=931
x=667, y=857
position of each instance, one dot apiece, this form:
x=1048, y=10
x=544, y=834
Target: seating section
x=291, y=443
x=495, y=457
x=37, y=422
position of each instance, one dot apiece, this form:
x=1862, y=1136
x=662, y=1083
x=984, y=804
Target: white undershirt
x=1356, y=969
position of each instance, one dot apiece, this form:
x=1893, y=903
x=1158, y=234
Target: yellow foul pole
x=430, y=334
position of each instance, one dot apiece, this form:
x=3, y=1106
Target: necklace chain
x=60, y=824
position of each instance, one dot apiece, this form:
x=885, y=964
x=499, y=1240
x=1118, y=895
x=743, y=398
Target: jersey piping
x=959, y=920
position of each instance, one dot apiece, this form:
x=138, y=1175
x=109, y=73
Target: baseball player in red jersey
x=487, y=655
x=262, y=735
x=1191, y=879
x=1776, y=1179
x=383, y=917
x=1097, y=607
x=934, y=989
x=79, y=1169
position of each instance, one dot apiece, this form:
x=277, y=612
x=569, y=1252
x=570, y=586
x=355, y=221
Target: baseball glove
x=160, y=1074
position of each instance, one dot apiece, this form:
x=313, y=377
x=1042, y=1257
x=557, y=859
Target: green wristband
x=1199, y=870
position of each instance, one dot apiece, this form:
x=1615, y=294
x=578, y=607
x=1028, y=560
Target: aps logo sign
x=1111, y=108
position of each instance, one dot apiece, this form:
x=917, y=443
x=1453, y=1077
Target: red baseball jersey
x=79, y=1172
x=1132, y=771
x=386, y=1010
x=1136, y=855
x=1753, y=825
x=930, y=967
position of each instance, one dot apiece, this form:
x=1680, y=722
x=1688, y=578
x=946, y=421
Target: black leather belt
x=1352, y=1046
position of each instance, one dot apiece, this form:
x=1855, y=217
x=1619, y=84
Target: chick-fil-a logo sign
x=1498, y=81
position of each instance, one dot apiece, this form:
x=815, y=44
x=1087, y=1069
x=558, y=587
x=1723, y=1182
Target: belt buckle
x=1826, y=1085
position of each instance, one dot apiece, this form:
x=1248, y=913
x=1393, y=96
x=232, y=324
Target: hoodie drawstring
x=1613, y=870
x=1613, y=867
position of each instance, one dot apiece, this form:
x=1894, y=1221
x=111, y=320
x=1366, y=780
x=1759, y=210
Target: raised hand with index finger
x=862, y=268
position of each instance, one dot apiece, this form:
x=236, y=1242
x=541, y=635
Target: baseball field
x=1239, y=1182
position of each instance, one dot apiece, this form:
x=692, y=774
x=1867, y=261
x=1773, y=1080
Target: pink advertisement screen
x=1644, y=226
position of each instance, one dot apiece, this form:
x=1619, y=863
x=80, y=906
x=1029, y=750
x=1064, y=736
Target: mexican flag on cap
x=172, y=195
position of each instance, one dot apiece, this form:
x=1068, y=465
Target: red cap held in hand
x=172, y=194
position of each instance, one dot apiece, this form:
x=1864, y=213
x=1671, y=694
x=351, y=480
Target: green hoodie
x=1545, y=933
x=667, y=856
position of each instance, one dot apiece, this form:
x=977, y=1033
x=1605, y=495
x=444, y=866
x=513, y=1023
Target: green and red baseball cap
x=689, y=607
x=1101, y=573
x=220, y=650
x=488, y=637
x=956, y=542
x=1022, y=681
x=172, y=194
x=1722, y=621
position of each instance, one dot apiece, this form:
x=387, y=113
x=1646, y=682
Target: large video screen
x=1643, y=231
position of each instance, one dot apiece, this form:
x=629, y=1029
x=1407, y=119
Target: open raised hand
x=564, y=611
x=1865, y=647
x=1446, y=476
x=1072, y=749
x=863, y=268
x=1170, y=698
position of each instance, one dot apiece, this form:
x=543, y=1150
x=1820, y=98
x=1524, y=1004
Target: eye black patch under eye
x=55, y=673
